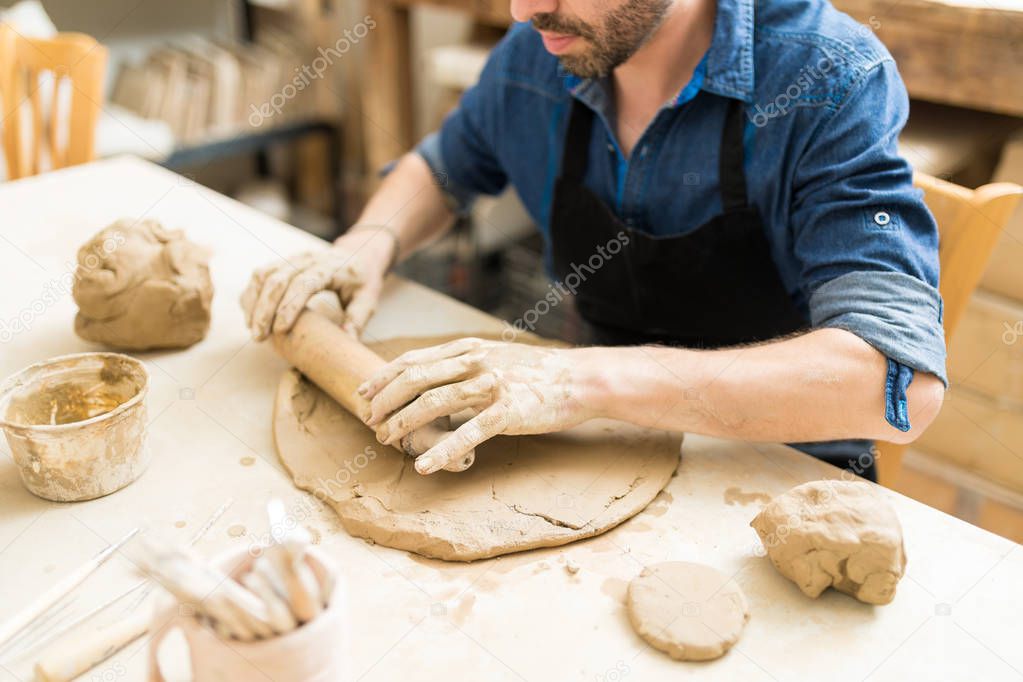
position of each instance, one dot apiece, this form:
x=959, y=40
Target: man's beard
x=624, y=31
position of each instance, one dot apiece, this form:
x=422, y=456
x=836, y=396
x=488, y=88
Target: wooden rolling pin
x=338, y=363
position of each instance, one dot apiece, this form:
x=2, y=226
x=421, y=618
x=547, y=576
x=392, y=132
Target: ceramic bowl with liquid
x=76, y=424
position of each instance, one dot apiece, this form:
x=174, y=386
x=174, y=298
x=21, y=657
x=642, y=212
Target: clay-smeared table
x=519, y=617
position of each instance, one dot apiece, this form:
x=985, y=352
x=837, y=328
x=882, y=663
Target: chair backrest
x=7, y=36
x=61, y=123
x=969, y=224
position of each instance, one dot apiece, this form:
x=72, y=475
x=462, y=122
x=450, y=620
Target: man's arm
x=415, y=203
x=411, y=204
x=407, y=210
x=827, y=384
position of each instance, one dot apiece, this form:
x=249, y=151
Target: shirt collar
x=730, y=58
x=728, y=63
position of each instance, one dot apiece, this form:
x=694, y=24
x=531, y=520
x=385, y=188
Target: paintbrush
x=144, y=583
x=71, y=659
x=42, y=603
x=52, y=617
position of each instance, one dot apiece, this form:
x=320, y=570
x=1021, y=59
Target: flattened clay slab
x=523, y=492
x=690, y=611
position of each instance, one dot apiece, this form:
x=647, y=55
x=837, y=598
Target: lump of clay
x=689, y=611
x=140, y=286
x=839, y=534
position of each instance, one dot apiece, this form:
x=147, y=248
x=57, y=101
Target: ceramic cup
x=314, y=652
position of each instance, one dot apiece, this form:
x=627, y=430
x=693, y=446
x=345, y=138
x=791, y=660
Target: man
x=765, y=269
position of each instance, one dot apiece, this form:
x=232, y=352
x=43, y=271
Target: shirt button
x=882, y=218
x=610, y=147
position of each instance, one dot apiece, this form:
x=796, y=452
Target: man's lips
x=556, y=43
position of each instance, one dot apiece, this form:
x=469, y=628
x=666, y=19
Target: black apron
x=714, y=286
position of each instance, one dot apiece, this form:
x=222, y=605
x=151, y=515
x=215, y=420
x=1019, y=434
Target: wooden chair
x=67, y=137
x=7, y=36
x=969, y=224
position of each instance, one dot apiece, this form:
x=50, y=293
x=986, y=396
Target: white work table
x=519, y=617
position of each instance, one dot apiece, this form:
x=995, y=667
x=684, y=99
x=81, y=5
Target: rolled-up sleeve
x=897, y=314
x=462, y=154
x=866, y=243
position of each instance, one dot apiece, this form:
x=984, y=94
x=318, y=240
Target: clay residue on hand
x=522, y=493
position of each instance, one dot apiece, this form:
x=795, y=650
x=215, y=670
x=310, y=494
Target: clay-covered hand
x=354, y=268
x=513, y=388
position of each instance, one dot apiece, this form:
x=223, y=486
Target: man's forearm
x=824, y=385
x=410, y=203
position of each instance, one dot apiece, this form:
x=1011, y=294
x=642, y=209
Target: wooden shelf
x=257, y=141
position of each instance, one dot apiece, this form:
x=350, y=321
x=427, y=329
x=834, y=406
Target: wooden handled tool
x=285, y=559
x=89, y=650
x=281, y=618
x=66, y=661
x=338, y=363
x=189, y=578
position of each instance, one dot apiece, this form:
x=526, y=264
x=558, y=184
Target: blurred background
x=295, y=107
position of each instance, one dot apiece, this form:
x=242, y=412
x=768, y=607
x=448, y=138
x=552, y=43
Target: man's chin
x=581, y=65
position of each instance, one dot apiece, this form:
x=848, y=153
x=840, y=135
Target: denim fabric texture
x=853, y=242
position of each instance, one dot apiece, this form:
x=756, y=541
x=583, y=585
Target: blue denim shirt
x=854, y=244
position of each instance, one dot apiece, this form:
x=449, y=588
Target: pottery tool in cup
x=277, y=592
x=313, y=651
x=257, y=604
x=68, y=661
x=285, y=556
x=281, y=618
x=44, y=601
x=233, y=610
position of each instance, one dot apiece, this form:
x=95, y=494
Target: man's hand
x=354, y=268
x=514, y=389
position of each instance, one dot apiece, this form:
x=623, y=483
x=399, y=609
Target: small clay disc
x=689, y=611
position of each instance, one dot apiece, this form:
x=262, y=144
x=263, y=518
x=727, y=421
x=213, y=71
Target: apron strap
x=731, y=171
x=575, y=157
